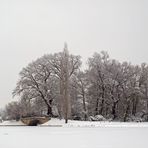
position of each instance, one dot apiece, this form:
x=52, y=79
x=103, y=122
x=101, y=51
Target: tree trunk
x=114, y=110
x=49, y=108
x=101, y=107
x=126, y=112
x=84, y=108
x=134, y=108
x=97, y=104
x=49, y=111
x=102, y=102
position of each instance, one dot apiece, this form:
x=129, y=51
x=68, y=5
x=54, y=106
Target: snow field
x=75, y=134
x=70, y=137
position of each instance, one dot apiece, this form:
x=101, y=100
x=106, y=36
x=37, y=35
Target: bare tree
x=35, y=81
x=118, y=91
x=69, y=65
x=64, y=81
x=98, y=78
x=40, y=80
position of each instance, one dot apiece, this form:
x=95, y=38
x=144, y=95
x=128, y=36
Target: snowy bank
x=72, y=123
x=12, y=123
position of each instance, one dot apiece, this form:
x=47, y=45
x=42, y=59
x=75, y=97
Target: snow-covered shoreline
x=73, y=123
x=61, y=123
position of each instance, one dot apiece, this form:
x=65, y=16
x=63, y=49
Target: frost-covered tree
x=55, y=84
x=13, y=111
x=36, y=82
x=143, y=86
x=116, y=89
x=47, y=80
x=98, y=81
x=79, y=85
x=65, y=66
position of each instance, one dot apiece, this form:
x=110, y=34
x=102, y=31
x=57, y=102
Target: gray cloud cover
x=31, y=28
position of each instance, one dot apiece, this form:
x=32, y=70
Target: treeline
x=55, y=85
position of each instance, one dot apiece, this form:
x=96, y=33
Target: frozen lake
x=71, y=137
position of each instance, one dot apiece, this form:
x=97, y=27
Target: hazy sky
x=31, y=28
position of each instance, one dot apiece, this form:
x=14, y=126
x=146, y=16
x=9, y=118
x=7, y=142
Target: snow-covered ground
x=94, y=124
x=75, y=134
x=73, y=123
x=70, y=137
x=13, y=123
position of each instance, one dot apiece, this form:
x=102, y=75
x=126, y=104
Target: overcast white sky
x=31, y=28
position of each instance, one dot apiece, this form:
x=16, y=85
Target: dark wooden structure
x=34, y=121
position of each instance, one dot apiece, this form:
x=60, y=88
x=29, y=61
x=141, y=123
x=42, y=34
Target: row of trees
x=55, y=85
